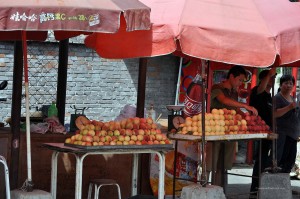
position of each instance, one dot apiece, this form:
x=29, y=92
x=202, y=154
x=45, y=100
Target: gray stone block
x=35, y=194
x=196, y=191
x=275, y=186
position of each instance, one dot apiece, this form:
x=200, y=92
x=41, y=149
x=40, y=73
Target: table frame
x=80, y=155
x=219, y=138
x=6, y=176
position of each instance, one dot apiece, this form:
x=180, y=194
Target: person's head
x=286, y=83
x=236, y=76
x=263, y=74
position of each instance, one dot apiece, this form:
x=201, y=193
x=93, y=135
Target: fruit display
x=131, y=131
x=224, y=121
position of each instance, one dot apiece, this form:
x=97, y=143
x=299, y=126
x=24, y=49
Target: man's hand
x=272, y=72
x=252, y=109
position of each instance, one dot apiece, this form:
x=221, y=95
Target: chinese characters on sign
x=45, y=17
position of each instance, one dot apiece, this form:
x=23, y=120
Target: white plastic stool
x=3, y=161
x=98, y=183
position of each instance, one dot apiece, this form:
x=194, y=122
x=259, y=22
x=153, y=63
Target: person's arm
x=281, y=111
x=264, y=82
x=230, y=102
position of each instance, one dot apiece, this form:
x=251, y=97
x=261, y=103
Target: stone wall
x=104, y=86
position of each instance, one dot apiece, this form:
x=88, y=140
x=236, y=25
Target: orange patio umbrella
x=257, y=33
x=31, y=20
x=248, y=32
x=69, y=18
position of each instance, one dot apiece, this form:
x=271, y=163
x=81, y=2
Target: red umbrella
x=248, y=32
x=256, y=33
x=70, y=18
x=31, y=19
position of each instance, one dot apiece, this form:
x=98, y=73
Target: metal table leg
x=54, y=173
x=6, y=173
x=78, y=185
x=161, y=183
x=135, y=163
x=174, y=168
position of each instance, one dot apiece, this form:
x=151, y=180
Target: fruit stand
x=132, y=136
x=221, y=125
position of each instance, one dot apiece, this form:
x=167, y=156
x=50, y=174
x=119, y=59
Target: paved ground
x=239, y=187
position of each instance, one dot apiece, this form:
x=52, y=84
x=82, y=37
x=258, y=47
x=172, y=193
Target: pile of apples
x=223, y=121
x=256, y=125
x=131, y=131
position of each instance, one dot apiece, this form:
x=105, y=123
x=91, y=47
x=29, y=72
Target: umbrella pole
x=178, y=82
x=203, y=142
x=28, y=184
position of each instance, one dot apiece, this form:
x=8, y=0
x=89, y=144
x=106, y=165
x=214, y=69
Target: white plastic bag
x=39, y=128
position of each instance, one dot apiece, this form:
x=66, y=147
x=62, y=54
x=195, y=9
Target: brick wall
x=104, y=86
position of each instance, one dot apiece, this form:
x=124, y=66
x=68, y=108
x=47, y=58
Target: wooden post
x=16, y=113
x=144, y=164
x=62, y=79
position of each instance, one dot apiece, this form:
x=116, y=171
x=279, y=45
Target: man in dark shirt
x=261, y=99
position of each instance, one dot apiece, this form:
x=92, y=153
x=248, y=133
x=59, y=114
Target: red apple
x=68, y=140
x=103, y=132
x=102, y=139
x=153, y=126
x=127, y=138
x=135, y=126
x=122, y=132
x=168, y=142
x=88, y=138
x=131, y=142
x=158, y=137
x=142, y=120
x=162, y=142
x=96, y=138
x=108, y=138
x=105, y=126
x=141, y=132
x=101, y=143
x=129, y=125
x=158, y=131
x=78, y=137
x=88, y=144
x=147, y=131
x=140, y=137
x=149, y=120
x=144, y=142
x=84, y=131
x=133, y=137
x=155, y=142
x=121, y=138
x=150, y=142
x=143, y=126
x=91, y=132
x=164, y=137
x=116, y=132
x=123, y=124
x=136, y=120
x=128, y=132
x=95, y=143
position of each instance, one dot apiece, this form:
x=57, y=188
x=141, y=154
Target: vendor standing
x=225, y=95
x=261, y=99
x=287, y=123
